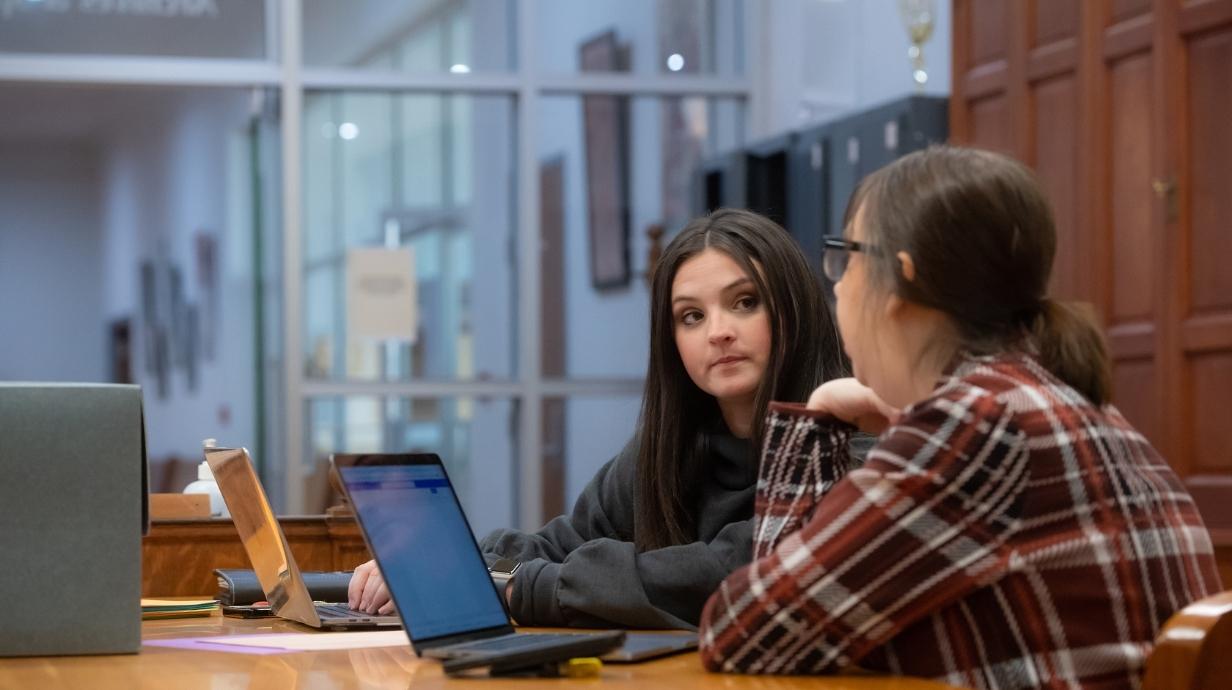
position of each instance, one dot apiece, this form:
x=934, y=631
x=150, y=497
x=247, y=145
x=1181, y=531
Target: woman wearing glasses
x=737, y=319
x=1009, y=529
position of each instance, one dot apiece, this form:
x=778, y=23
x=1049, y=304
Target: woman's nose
x=721, y=330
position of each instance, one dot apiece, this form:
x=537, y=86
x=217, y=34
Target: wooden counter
x=179, y=556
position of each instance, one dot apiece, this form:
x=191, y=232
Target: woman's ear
x=906, y=265
x=894, y=304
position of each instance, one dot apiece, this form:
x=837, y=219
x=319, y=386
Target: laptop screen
x=263, y=538
x=425, y=549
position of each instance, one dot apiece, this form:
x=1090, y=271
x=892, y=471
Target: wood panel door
x=1123, y=107
x=1197, y=35
x=980, y=111
x=1128, y=230
x=1070, y=89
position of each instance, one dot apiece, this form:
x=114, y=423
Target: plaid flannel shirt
x=1004, y=533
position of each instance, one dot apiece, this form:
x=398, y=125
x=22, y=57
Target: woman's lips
x=730, y=359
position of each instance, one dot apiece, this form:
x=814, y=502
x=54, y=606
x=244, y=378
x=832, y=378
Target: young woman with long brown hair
x=737, y=319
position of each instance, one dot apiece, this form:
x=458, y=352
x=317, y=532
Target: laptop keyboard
x=512, y=642
x=340, y=611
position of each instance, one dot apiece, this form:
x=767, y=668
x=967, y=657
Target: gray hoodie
x=583, y=570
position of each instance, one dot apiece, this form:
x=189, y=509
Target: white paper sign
x=381, y=294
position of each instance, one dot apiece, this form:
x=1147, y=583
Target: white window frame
x=283, y=69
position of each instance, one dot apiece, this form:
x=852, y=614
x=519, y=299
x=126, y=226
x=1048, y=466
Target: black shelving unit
x=803, y=179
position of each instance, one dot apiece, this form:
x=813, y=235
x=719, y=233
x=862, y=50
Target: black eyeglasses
x=836, y=252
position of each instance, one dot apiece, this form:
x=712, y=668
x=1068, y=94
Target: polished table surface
x=383, y=668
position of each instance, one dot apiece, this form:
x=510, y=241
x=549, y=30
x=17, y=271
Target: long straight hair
x=981, y=233
x=675, y=413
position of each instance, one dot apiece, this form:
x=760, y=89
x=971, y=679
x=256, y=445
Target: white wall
x=51, y=312
x=821, y=58
x=169, y=172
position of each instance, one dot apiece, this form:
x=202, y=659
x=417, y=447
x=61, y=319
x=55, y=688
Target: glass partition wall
x=512, y=153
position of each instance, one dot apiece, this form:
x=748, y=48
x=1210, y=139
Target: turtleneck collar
x=731, y=461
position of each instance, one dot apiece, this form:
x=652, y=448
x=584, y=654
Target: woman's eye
x=690, y=317
x=746, y=303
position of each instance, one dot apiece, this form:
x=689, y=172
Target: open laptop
x=267, y=549
x=423, y=545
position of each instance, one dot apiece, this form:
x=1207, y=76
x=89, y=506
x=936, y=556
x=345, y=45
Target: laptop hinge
x=459, y=638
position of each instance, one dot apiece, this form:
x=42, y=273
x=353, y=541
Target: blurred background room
x=198, y=196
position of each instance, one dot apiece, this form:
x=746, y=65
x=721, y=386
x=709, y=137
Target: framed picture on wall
x=604, y=128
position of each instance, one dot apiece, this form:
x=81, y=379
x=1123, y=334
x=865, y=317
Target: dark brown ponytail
x=1070, y=345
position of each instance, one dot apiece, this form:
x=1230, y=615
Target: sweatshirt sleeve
x=606, y=583
x=603, y=510
x=584, y=570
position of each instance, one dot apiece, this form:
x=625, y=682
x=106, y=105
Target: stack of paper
x=176, y=608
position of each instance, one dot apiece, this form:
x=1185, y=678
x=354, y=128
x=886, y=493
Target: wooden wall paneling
x=1136, y=390
x=1204, y=15
x=985, y=81
x=990, y=92
x=1209, y=192
x=1167, y=136
x=1055, y=20
x=1125, y=9
x=1208, y=427
x=1133, y=280
x=1019, y=31
x=1129, y=36
x=1094, y=210
x=1132, y=161
x=960, y=63
x=990, y=126
x=1199, y=36
x=1052, y=59
x=1131, y=309
x=1055, y=107
x=1147, y=84
x=980, y=113
x=989, y=29
x=1206, y=332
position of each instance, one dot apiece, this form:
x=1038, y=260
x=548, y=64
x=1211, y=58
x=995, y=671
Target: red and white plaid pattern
x=1005, y=533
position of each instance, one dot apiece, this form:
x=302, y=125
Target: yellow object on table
x=582, y=667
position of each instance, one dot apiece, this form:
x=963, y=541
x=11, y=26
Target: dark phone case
x=248, y=611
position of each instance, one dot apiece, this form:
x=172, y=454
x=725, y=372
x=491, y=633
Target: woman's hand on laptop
x=367, y=591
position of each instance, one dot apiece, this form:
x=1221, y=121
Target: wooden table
x=372, y=669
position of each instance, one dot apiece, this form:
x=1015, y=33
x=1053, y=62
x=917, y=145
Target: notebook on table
x=267, y=549
x=451, y=609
